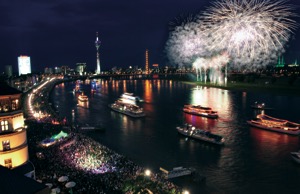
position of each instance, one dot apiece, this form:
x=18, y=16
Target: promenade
x=93, y=167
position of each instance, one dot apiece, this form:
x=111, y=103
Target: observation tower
x=97, y=44
x=147, y=61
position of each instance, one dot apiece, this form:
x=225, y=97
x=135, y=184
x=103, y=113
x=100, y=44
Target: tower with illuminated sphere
x=97, y=44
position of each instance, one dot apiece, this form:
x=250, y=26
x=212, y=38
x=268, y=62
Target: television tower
x=97, y=44
x=147, y=61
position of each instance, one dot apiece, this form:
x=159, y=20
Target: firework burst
x=186, y=43
x=252, y=32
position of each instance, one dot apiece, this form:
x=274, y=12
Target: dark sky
x=63, y=32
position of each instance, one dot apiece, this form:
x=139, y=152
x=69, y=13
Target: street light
x=147, y=172
x=185, y=192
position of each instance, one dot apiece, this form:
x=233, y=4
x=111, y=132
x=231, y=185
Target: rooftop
x=5, y=89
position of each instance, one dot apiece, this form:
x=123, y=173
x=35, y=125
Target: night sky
x=63, y=32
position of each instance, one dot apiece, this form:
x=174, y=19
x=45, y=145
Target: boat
x=82, y=97
x=127, y=109
x=131, y=97
x=264, y=121
x=88, y=127
x=296, y=156
x=77, y=89
x=200, y=111
x=189, y=130
x=176, y=172
x=260, y=106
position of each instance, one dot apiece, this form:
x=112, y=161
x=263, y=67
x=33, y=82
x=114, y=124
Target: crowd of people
x=92, y=166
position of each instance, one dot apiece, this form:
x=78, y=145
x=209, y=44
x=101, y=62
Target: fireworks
x=186, y=44
x=253, y=33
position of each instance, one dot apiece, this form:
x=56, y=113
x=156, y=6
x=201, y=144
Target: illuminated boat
x=77, y=89
x=296, y=156
x=176, y=172
x=82, y=97
x=200, y=111
x=273, y=124
x=200, y=134
x=260, y=106
x=127, y=109
x=131, y=97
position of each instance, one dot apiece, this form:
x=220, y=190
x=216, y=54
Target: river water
x=252, y=160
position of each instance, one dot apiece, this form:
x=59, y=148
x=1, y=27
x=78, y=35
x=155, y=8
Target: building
x=8, y=70
x=13, y=139
x=24, y=65
x=65, y=70
x=48, y=70
x=155, y=68
x=57, y=70
x=280, y=62
x=12, y=182
x=81, y=68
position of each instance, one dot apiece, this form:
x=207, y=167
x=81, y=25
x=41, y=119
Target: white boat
x=200, y=134
x=200, y=111
x=296, y=156
x=131, y=96
x=127, y=109
x=82, y=97
x=264, y=121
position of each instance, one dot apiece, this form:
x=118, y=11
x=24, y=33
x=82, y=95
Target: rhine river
x=252, y=160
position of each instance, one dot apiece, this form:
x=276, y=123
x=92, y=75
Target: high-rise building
x=48, y=70
x=8, y=70
x=97, y=44
x=147, y=61
x=24, y=65
x=280, y=62
x=57, y=70
x=81, y=68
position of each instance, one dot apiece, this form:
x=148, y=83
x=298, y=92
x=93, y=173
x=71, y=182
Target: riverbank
x=277, y=89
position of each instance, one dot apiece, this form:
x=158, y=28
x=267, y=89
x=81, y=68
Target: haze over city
x=60, y=33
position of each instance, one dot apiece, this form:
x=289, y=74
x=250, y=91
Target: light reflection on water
x=251, y=161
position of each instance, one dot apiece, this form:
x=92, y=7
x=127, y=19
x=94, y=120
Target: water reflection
x=270, y=145
x=148, y=91
x=83, y=104
x=215, y=98
x=200, y=122
x=127, y=124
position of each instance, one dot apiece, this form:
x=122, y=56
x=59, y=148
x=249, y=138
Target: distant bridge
x=135, y=76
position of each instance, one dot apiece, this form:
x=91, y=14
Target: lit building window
x=15, y=104
x=4, y=125
x=6, y=145
x=8, y=163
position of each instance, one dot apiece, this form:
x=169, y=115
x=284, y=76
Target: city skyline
x=58, y=33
